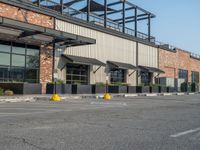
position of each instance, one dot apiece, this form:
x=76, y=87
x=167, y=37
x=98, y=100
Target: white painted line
x=185, y=133
x=108, y=103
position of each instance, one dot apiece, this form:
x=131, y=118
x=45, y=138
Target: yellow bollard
x=107, y=96
x=55, y=98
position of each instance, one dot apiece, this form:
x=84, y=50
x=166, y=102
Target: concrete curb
x=33, y=98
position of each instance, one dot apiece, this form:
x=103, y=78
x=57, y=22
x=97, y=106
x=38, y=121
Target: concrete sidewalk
x=33, y=98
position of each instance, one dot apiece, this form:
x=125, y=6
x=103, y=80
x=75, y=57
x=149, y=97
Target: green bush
x=154, y=85
x=194, y=87
x=141, y=85
x=184, y=87
x=59, y=82
x=100, y=84
x=1, y=91
x=120, y=84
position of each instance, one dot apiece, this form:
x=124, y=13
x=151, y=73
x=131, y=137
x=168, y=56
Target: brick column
x=46, y=63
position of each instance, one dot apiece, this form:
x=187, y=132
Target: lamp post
x=107, y=96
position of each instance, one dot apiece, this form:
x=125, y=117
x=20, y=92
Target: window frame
x=10, y=66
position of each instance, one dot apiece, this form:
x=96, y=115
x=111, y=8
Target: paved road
x=143, y=123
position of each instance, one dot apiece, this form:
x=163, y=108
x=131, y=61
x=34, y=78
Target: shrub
x=8, y=93
x=184, y=87
x=141, y=85
x=100, y=84
x=194, y=87
x=154, y=85
x=1, y=91
x=59, y=82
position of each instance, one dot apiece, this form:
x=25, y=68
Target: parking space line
x=185, y=133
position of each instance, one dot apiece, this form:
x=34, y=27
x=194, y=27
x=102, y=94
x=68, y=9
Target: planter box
x=143, y=89
x=60, y=89
x=154, y=89
x=98, y=89
x=81, y=89
x=50, y=89
x=117, y=89
x=67, y=88
x=170, y=89
x=131, y=89
x=162, y=89
x=23, y=88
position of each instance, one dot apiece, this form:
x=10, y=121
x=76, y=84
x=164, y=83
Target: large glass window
x=17, y=74
x=195, y=76
x=18, y=50
x=5, y=48
x=77, y=74
x=117, y=75
x=4, y=73
x=183, y=74
x=4, y=59
x=19, y=62
x=146, y=77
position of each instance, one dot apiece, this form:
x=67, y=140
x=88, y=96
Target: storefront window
x=77, y=74
x=146, y=77
x=19, y=63
x=4, y=59
x=4, y=73
x=117, y=75
x=5, y=48
x=195, y=77
x=183, y=74
x=18, y=60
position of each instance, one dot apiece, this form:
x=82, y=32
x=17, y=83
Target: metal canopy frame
x=121, y=65
x=82, y=60
x=58, y=36
x=151, y=69
x=135, y=14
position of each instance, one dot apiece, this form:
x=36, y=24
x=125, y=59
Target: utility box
x=169, y=82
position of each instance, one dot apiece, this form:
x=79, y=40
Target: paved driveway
x=140, y=123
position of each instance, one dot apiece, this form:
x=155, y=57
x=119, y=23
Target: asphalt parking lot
x=140, y=123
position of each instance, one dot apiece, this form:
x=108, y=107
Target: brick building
x=45, y=40
x=179, y=64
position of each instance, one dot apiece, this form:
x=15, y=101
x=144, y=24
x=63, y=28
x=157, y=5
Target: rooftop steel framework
x=115, y=14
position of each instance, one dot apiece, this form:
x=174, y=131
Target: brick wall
x=26, y=16
x=170, y=62
x=31, y=17
x=46, y=62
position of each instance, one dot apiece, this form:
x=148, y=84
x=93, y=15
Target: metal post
x=61, y=6
x=105, y=13
x=135, y=21
x=88, y=10
x=38, y=3
x=123, y=16
x=55, y=90
x=149, y=27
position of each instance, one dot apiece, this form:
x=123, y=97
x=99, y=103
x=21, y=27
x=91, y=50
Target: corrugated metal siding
x=109, y=47
x=147, y=55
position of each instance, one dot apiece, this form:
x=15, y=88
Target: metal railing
x=164, y=45
x=195, y=55
x=95, y=19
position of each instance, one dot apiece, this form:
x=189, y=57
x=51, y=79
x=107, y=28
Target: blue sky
x=177, y=22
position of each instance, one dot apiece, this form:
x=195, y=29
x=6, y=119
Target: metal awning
x=82, y=60
x=121, y=65
x=60, y=37
x=151, y=69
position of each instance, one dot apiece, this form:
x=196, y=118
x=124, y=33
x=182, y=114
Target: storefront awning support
x=97, y=69
x=132, y=73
